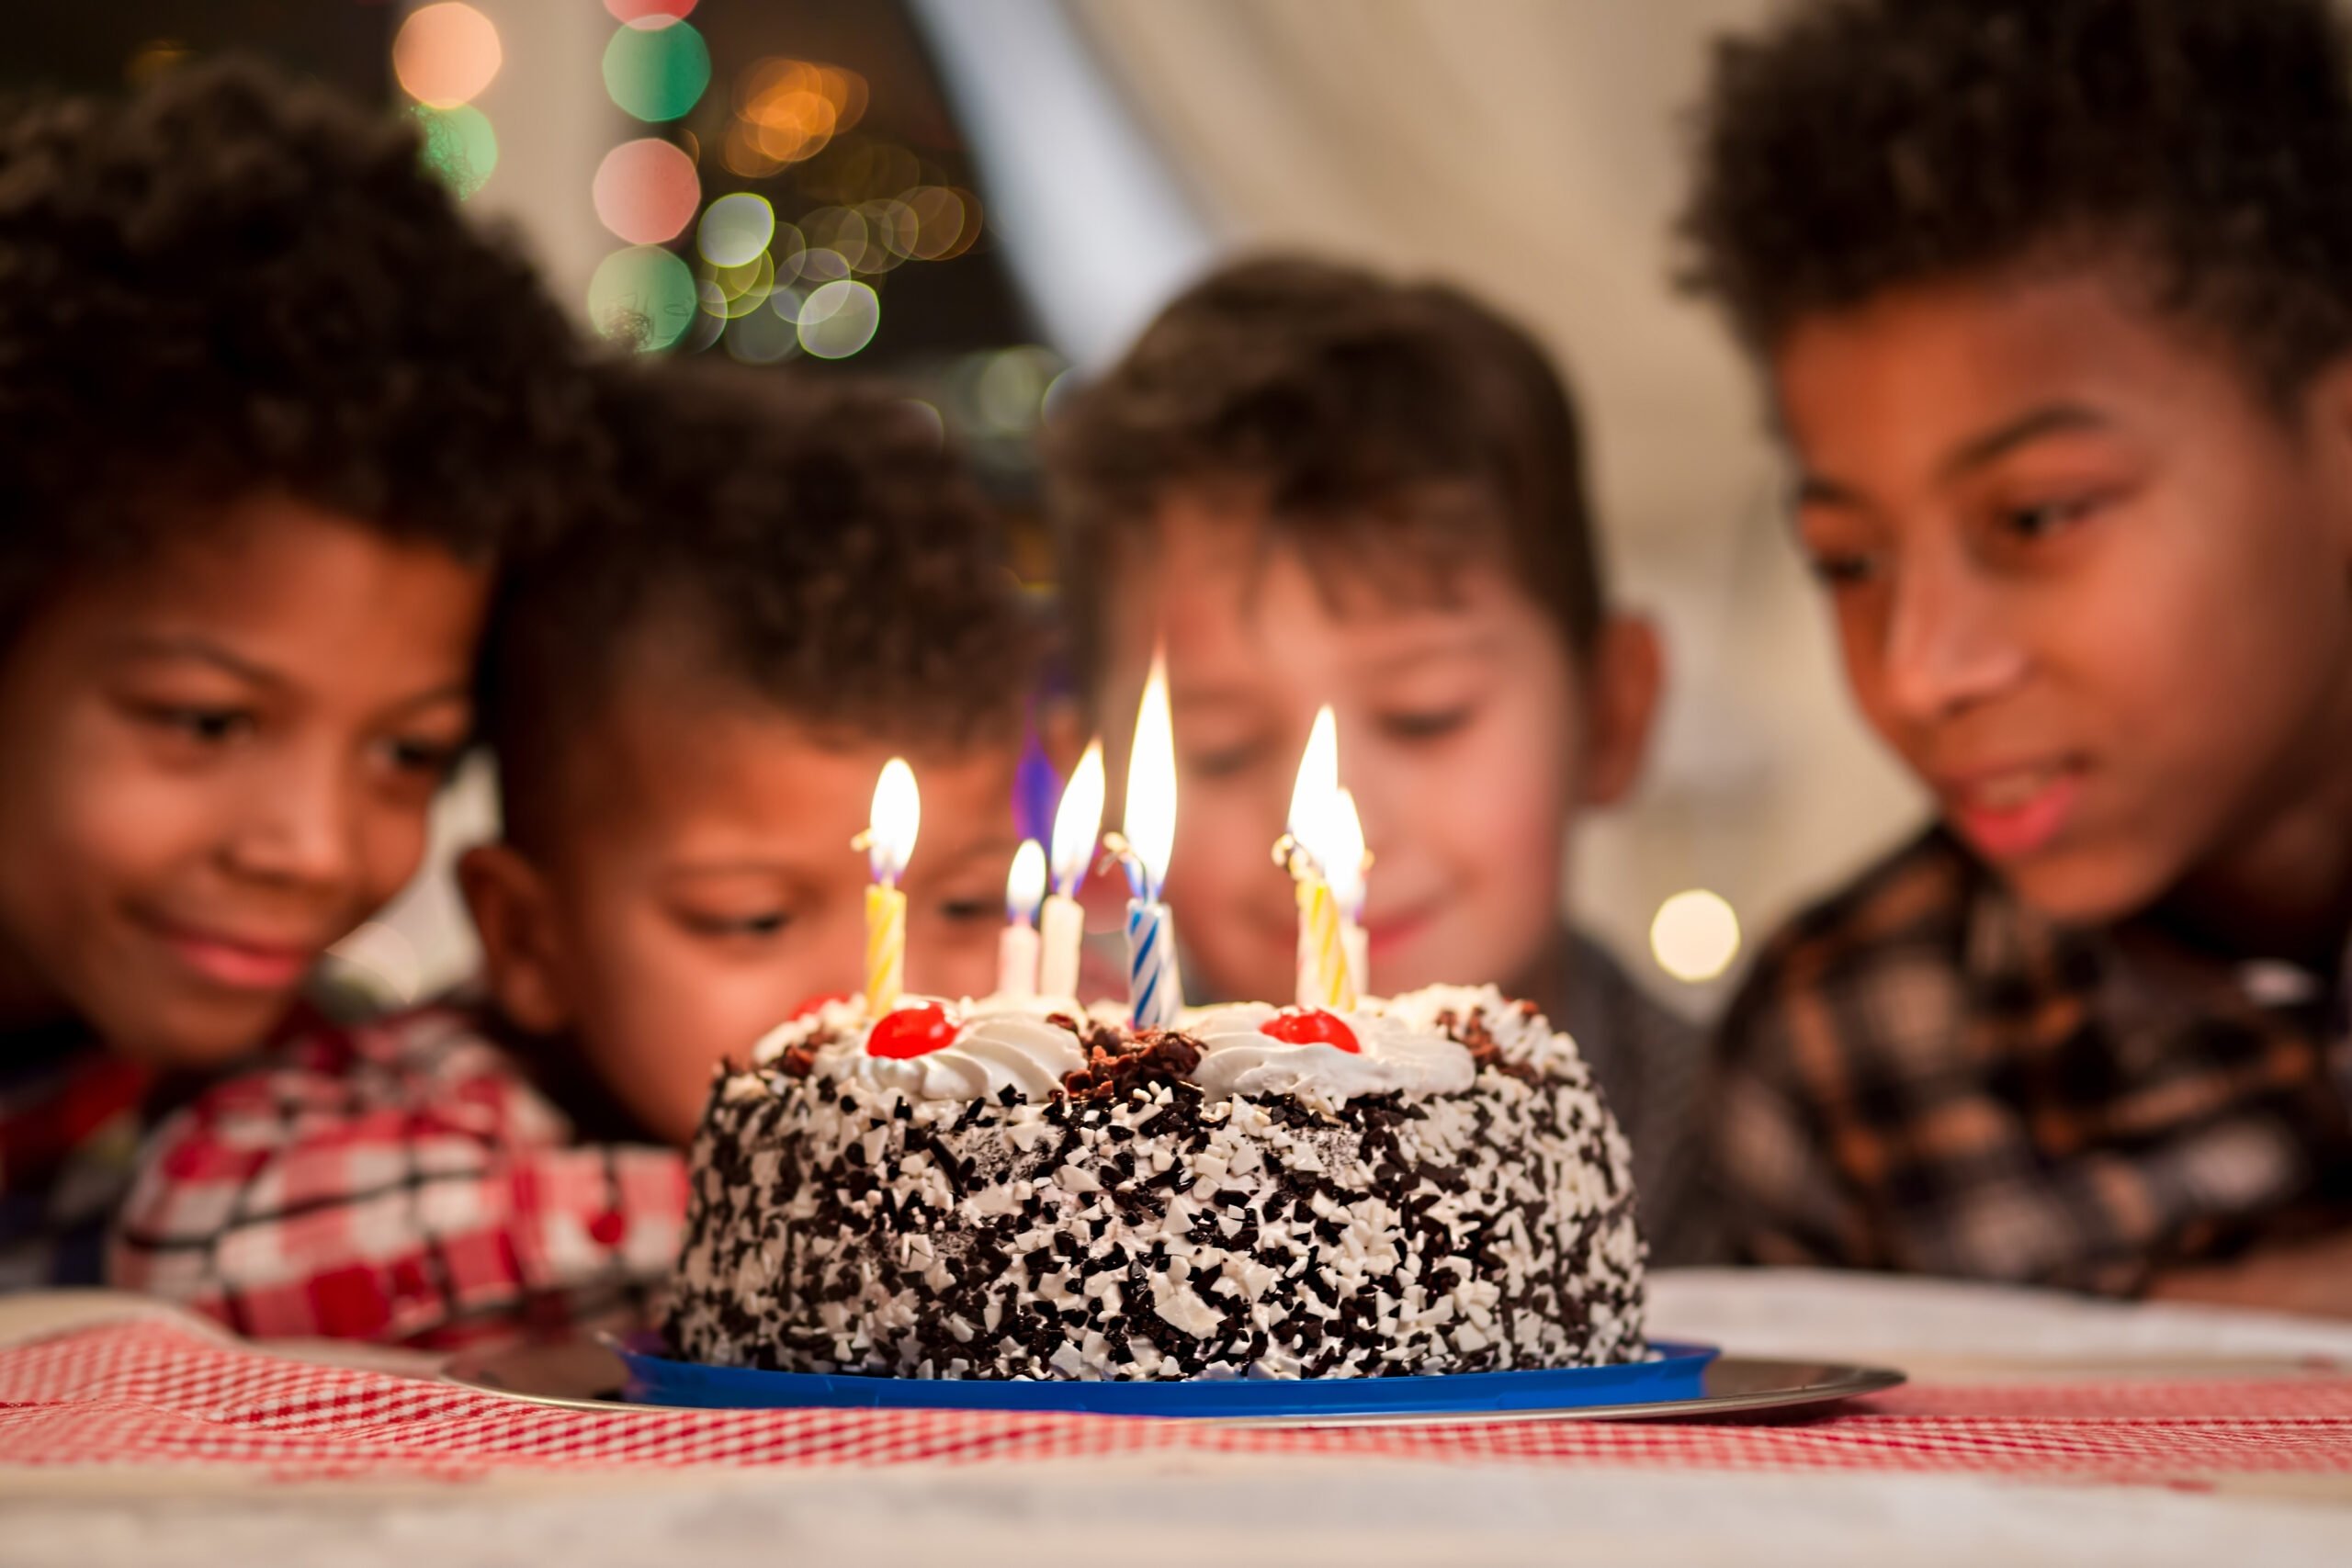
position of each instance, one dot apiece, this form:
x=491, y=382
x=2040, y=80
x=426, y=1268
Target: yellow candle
x=889, y=842
x=1323, y=977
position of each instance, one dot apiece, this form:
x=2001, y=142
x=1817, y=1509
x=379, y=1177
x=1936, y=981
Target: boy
x=1320, y=486
x=2054, y=297
x=689, y=705
x=267, y=411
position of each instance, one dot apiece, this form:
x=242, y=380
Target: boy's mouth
x=238, y=962
x=2010, y=812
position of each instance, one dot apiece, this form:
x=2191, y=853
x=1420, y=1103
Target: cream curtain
x=1532, y=150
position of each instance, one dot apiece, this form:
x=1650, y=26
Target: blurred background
x=984, y=198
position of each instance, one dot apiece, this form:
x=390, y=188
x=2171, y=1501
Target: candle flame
x=1318, y=780
x=897, y=814
x=1345, y=867
x=1078, y=821
x=1151, y=824
x=1025, y=888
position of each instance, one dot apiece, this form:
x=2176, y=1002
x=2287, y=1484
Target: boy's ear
x=522, y=959
x=1626, y=670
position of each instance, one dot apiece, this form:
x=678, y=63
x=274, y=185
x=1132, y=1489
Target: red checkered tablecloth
x=155, y=1393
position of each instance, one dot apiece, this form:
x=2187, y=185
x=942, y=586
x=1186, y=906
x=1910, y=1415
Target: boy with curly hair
x=2054, y=303
x=689, y=700
x=270, y=410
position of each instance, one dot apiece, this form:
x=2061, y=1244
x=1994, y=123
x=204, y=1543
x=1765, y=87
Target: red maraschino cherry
x=915, y=1031
x=1312, y=1027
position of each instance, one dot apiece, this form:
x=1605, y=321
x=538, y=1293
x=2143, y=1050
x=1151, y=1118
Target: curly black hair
x=1863, y=145
x=1379, y=419
x=231, y=284
x=812, y=546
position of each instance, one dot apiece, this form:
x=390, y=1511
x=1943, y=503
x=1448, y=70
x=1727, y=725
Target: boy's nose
x=1947, y=645
x=301, y=828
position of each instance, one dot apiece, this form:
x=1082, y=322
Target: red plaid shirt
x=70, y=1113
x=399, y=1180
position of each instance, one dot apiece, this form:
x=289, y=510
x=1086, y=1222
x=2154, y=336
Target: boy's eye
x=964, y=909
x=762, y=923
x=1426, y=724
x=209, y=726
x=2045, y=518
x=1223, y=763
x=1839, y=571
x=431, y=758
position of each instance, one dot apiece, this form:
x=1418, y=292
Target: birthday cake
x=1422, y=1184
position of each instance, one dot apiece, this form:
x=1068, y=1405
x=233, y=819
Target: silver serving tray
x=589, y=1377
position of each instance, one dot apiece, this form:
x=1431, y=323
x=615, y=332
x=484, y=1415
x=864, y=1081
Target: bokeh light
x=1694, y=936
x=1010, y=395
x=657, y=71
x=646, y=191
x=461, y=148
x=840, y=318
x=445, y=54
x=648, y=13
x=788, y=111
x=946, y=221
x=746, y=288
x=642, y=296
x=822, y=264
x=735, y=229
x=763, y=337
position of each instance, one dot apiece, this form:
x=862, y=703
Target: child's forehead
x=662, y=760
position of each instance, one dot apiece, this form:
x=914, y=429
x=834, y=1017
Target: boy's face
x=2093, y=589
x=1461, y=729
x=700, y=887
x=219, y=762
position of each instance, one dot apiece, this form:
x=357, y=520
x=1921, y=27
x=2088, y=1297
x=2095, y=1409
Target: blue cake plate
x=1675, y=1376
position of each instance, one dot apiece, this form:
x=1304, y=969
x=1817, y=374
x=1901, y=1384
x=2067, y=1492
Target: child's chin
x=195, y=1033
x=2085, y=887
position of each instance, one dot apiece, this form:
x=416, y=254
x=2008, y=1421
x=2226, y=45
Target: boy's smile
x=222, y=759
x=2090, y=585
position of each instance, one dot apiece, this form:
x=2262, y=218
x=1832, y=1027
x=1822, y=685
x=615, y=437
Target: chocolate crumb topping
x=1116, y=1068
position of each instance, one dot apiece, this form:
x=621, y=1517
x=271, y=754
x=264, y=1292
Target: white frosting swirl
x=1016, y=1049
x=1239, y=1058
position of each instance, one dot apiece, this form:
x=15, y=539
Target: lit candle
x=1350, y=861
x=1155, y=989
x=1077, y=824
x=1306, y=850
x=889, y=841
x=1016, y=952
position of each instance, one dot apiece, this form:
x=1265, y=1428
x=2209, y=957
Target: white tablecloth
x=1206, y=1511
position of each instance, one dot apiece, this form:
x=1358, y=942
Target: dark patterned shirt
x=70, y=1116
x=1922, y=1075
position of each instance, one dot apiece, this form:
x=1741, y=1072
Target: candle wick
x=1295, y=858
x=1130, y=863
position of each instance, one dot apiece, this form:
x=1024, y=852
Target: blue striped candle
x=1154, y=990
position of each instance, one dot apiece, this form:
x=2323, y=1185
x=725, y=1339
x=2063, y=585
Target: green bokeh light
x=461, y=148
x=656, y=74
x=643, y=295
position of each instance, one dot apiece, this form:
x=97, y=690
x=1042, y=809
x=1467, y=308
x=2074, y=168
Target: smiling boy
x=2054, y=300
x=269, y=408
x=690, y=696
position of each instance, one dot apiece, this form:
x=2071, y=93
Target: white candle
x=1078, y=823
x=1155, y=988
x=1016, y=952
